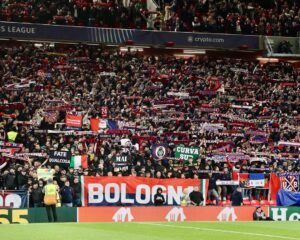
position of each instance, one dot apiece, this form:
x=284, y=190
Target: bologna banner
x=166, y=214
x=126, y=191
x=13, y=199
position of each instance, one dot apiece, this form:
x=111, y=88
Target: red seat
x=264, y=203
x=272, y=203
x=254, y=202
x=246, y=202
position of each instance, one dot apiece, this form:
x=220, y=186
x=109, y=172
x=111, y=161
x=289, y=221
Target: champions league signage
x=31, y=31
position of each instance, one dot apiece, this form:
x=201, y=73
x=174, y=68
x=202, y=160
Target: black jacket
x=37, y=195
x=196, y=197
x=10, y=181
x=77, y=190
x=159, y=199
x=237, y=198
x=22, y=180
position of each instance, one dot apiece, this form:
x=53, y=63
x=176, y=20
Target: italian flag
x=77, y=161
x=204, y=189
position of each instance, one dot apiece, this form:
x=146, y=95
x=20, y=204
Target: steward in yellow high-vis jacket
x=50, y=200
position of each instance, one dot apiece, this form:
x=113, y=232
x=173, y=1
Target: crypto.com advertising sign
x=165, y=214
x=61, y=33
x=114, y=191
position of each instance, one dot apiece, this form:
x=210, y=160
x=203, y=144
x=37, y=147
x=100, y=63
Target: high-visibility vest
x=12, y=136
x=184, y=200
x=50, y=194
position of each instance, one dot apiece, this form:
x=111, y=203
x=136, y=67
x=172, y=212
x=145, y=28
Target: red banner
x=167, y=214
x=113, y=191
x=74, y=121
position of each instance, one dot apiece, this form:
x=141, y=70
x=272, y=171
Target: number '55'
x=16, y=216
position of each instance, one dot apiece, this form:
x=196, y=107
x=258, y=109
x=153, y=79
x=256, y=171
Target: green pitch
x=154, y=231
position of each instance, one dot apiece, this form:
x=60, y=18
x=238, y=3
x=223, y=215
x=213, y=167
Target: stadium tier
x=279, y=18
x=90, y=111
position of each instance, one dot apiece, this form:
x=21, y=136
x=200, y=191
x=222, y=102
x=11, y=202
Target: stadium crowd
x=243, y=116
x=280, y=18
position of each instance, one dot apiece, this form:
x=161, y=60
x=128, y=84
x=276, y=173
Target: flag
x=127, y=145
x=274, y=186
x=256, y=180
x=258, y=139
x=242, y=177
x=97, y=124
x=289, y=183
x=112, y=124
x=204, y=189
x=126, y=142
x=160, y=151
x=77, y=161
x=51, y=117
x=94, y=122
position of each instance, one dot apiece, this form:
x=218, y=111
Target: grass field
x=154, y=231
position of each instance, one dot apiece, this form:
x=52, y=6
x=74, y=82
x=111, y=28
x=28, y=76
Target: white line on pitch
x=220, y=230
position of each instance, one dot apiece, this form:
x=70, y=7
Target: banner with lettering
x=116, y=191
x=289, y=182
x=251, y=180
x=61, y=158
x=120, y=161
x=73, y=121
x=186, y=152
x=14, y=199
x=45, y=173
